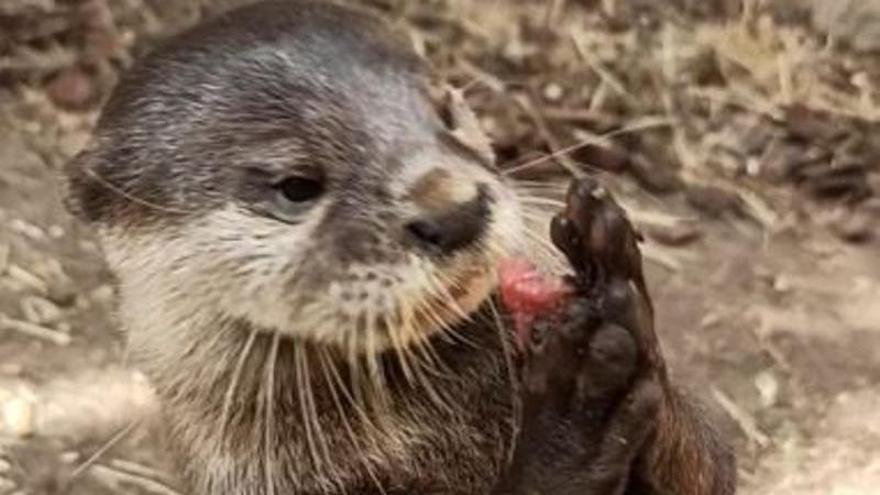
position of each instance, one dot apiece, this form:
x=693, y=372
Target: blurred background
x=741, y=135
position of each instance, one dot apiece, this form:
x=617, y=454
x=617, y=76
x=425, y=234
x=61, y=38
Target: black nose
x=451, y=230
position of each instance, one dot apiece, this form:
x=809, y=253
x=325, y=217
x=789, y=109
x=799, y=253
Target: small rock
x=753, y=167
x=680, y=234
x=854, y=226
x=71, y=89
x=768, y=388
x=782, y=284
x=17, y=417
x=5, y=466
x=103, y=294
x=553, y=92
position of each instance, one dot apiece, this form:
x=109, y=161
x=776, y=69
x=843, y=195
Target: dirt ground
x=741, y=137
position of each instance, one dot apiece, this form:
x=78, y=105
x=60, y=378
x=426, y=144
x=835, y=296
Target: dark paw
x=601, y=244
x=574, y=363
x=591, y=388
x=591, y=353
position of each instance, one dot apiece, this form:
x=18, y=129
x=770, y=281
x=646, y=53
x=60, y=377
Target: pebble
x=72, y=89
x=17, y=417
x=553, y=92
x=854, y=226
x=5, y=466
x=782, y=284
x=103, y=294
x=768, y=388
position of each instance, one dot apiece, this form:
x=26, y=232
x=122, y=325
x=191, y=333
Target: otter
x=305, y=242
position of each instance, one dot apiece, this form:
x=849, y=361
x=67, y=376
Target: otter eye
x=300, y=189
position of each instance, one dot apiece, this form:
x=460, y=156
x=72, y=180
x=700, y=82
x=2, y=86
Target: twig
x=610, y=79
x=642, y=124
x=20, y=274
x=34, y=330
x=90, y=462
x=743, y=419
x=555, y=147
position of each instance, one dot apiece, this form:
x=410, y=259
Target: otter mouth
x=458, y=302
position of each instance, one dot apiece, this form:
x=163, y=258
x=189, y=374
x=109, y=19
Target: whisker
x=324, y=358
x=233, y=382
x=645, y=124
x=268, y=427
x=399, y=347
x=130, y=197
x=374, y=369
x=302, y=397
x=508, y=351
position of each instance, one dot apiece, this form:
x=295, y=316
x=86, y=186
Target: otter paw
x=591, y=387
x=574, y=361
x=601, y=244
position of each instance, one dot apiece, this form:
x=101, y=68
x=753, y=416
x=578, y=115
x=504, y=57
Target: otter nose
x=451, y=230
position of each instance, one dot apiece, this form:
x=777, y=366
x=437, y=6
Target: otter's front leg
x=600, y=416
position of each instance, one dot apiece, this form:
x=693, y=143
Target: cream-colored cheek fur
x=233, y=263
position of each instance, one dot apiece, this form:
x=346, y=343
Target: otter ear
x=462, y=122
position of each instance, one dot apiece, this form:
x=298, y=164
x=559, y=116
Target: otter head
x=286, y=167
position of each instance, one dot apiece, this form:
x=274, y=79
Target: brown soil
x=742, y=146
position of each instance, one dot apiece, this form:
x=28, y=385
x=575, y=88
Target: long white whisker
x=268, y=427
x=233, y=382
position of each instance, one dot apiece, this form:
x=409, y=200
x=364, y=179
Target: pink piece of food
x=527, y=293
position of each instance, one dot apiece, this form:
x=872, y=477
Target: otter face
x=273, y=170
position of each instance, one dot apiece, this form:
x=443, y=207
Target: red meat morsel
x=527, y=293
